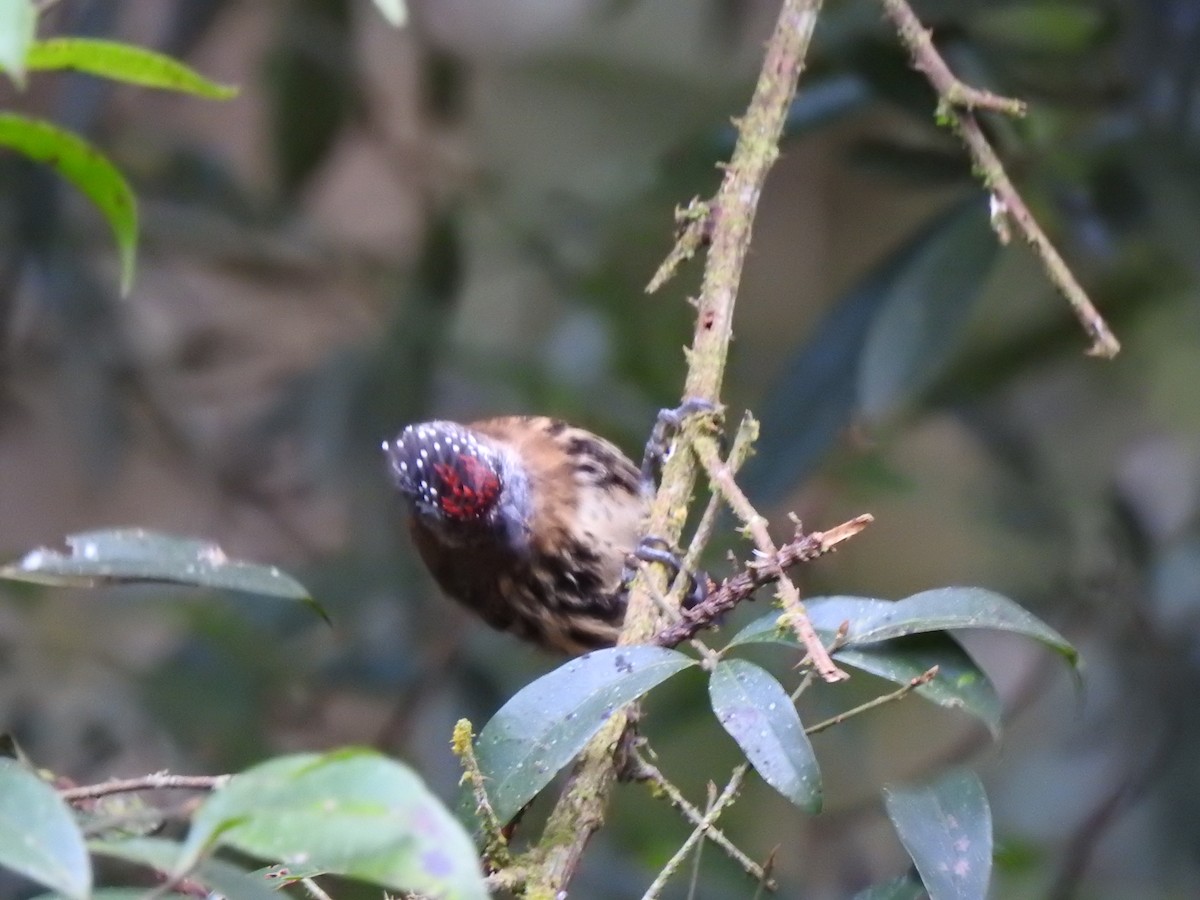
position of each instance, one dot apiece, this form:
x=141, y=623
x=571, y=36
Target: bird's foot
x=666, y=426
x=656, y=550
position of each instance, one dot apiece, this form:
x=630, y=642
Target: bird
x=528, y=521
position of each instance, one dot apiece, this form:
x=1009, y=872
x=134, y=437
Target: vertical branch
x=730, y=224
x=730, y=215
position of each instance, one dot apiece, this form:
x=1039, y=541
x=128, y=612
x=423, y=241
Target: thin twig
x=739, y=452
x=153, y=782
x=727, y=796
x=644, y=770
x=733, y=590
x=694, y=223
x=958, y=102
x=902, y=692
x=789, y=595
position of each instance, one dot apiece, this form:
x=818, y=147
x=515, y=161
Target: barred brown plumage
x=526, y=520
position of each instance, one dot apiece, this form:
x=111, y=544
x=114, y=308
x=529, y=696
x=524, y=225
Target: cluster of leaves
x=73, y=157
x=360, y=815
x=70, y=155
x=545, y=725
x=351, y=813
x=880, y=347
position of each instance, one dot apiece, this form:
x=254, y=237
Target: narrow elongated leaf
x=757, y=712
x=395, y=11
x=38, y=835
x=900, y=640
x=86, y=168
x=130, y=556
x=959, y=683
x=815, y=396
x=18, y=22
x=353, y=813
x=946, y=827
x=871, y=621
x=545, y=725
x=124, y=62
x=163, y=856
x=960, y=607
x=927, y=308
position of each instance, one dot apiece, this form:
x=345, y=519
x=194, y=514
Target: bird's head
x=465, y=486
x=447, y=471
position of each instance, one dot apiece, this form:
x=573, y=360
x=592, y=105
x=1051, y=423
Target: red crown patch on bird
x=444, y=468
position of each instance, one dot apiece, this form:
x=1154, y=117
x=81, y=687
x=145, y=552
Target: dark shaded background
x=458, y=219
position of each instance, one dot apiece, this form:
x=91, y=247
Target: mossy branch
x=726, y=227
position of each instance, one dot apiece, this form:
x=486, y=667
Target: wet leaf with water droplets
x=899, y=640
x=132, y=556
x=757, y=712
x=946, y=827
x=872, y=621
x=545, y=725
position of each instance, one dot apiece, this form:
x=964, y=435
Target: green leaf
x=86, y=168
x=959, y=607
x=872, y=621
x=545, y=725
x=38, y=835
x=132, y=556
x=757, y=712
x=123, y=62
x=946, y=827
x=352, y=812
x=18, y=24
x=927, y=308
x=817, y=384
x=899, y=640
x=163, y=856
x=395, y=11
x=959, y=683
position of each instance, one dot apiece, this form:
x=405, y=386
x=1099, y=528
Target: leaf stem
x=646, y=771
x=898, y=694
x=702, y=828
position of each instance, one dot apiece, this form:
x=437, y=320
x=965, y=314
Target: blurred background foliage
x=458, y=219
